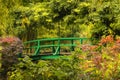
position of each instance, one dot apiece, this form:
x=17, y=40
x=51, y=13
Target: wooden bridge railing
x=35, y=46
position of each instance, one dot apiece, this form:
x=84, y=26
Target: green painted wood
x=72, y=47
x=37, y=51
x=54, y=57
x=38, y=57
x=45, y=46
x=56, y=44
x=57, y=51
x=53, y=48
x=59, y=45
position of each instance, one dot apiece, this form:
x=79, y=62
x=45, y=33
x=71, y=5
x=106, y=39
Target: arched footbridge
x=51, y=48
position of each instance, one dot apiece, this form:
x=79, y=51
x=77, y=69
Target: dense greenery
x=46, y=70
x=53, y=18
x=31, y=19
x=91, y=62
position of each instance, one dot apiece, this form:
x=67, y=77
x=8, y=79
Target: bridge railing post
x=53, y=48
x=37, y=51
x=59, y=45
x=81, y=41
x=72, y=47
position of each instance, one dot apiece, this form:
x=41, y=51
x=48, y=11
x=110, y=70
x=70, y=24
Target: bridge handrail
x=36, y=44
x=70, y=38
x=55, y=39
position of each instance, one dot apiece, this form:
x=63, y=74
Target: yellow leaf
x=89, y=69
x=0, y=47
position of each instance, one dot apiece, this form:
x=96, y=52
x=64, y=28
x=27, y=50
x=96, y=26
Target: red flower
x=107, y=39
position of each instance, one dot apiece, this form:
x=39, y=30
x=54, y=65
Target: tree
x=105, y=16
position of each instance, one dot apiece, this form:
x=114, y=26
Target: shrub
x=11, y=46
x=91, y=62
x=102, y=61
x=59, y=69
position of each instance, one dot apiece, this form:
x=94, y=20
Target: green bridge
x=36, y=49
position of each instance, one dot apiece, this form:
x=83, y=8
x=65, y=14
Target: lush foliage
x=30, y=19
x=105, y=17
x=101, y=61
x=90, y=62
x=46, y=70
